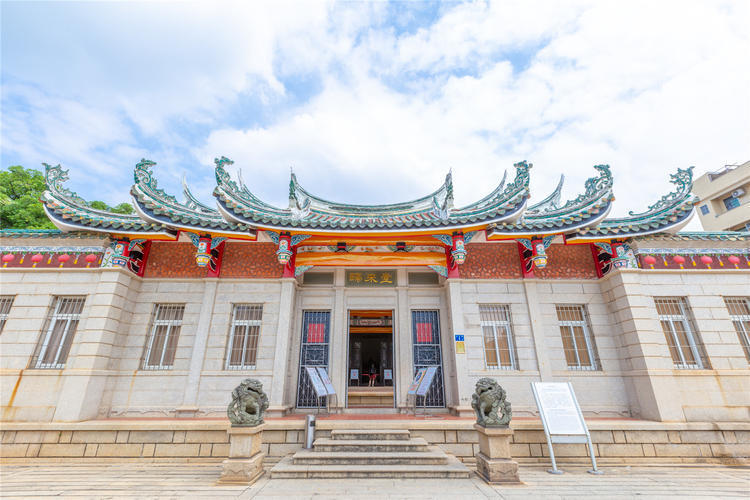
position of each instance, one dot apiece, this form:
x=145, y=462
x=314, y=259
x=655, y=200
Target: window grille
x=739, y=312
x=57, y=334
x=731, y=203
x=578, y=343
x=427, y=353
x=6, y=301
x=499, y=343
x=161, y=344
x=679, y=332
x=316, y=331
x=243, y=336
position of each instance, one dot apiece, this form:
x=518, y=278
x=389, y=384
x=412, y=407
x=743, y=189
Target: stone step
x=371, y=435
x=370, y=445
x=286, y=469
x=434, y=456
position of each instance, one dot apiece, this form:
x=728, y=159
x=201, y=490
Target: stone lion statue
x=490, y=405
x=248, y=405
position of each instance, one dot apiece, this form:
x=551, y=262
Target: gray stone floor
x=187, y=481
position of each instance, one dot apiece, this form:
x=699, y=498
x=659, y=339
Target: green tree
x=20, y=206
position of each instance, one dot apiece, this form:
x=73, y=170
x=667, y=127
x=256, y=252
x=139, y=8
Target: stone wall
x=615, y=442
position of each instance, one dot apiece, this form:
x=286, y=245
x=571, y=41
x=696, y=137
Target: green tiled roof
x=306, y=211
x=70, y=212
x=156, y=206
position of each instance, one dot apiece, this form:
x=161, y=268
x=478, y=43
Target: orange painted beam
x=370, y=241
x=370, y=259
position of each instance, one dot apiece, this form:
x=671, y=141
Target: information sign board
x=417, y=380
x=387, y=374
x=429, y=376
x=326, y=381
x=562, y=418
x=353, y=374
x=320, y=389
x=560, y=409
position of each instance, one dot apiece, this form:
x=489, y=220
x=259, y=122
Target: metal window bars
x=578, y=343
x=57, y=334
x=244, y=332
x=427, y=352
x=679, y=332
x=6, y=301
x=739, y=312
x=316, y=328
x=499, y=341
x=161, y=344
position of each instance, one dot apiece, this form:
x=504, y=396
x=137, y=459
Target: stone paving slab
x=183, y=481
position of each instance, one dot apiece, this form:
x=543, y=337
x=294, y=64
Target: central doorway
x=370, y=359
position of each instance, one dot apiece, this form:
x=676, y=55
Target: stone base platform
x=616, y=442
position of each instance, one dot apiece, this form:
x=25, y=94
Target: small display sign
x=429, y=376
x=371, y=278
x=460, y=344
x=388, y=374
x=326, y=381
x=353, y=374
x=318, y=386
x=417, y=380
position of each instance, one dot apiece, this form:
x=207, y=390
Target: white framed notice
x=353, y=374
x=326, y=381
x=387, y=374
x=318, y=387
x=562, y=418
x=417, y=381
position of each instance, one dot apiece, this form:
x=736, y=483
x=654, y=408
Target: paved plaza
x=186, y=481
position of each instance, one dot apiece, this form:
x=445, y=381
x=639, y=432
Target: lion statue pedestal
x=245, y=412
x=494, y=462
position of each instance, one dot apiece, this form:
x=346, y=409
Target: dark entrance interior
x=370, y=359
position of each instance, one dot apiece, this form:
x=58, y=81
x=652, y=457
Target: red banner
x=316, y=333
x=424, y=333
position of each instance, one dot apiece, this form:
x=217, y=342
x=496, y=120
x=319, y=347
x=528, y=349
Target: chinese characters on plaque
x=371, y=278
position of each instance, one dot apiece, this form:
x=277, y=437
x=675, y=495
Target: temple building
x=161, y=313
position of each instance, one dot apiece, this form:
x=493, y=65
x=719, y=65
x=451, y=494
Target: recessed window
x=6, y=302
x=682, y=338
x=317, y=279
x=704, y=209
x=57, y=334
x=731, y=202
x=243, y=336
x=161, y=343
x=739, y=311
x=499, y=344
x=430, y=278
x=578, y=343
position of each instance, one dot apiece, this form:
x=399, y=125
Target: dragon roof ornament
x=669, y=214
x=70, y=212
x=156, y=205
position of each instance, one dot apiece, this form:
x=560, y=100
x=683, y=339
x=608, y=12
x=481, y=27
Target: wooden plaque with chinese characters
x=370, y=277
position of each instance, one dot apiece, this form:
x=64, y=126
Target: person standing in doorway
x=373, y=371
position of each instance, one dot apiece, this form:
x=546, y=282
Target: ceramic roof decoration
x=503, y=213
x=70, y=212
x=156, y=206
x=586, y=210
x=669, y=214
x=307, y=212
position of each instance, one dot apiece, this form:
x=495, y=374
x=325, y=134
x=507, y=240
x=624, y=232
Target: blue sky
x=375, y=102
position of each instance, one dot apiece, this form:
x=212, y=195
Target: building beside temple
x=725, y=198
x=159, y=314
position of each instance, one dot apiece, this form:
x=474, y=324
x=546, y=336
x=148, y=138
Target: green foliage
x=20, y=206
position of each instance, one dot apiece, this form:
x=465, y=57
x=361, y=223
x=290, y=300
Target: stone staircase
x=370, y=453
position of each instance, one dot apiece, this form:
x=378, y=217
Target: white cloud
x=647, y=87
